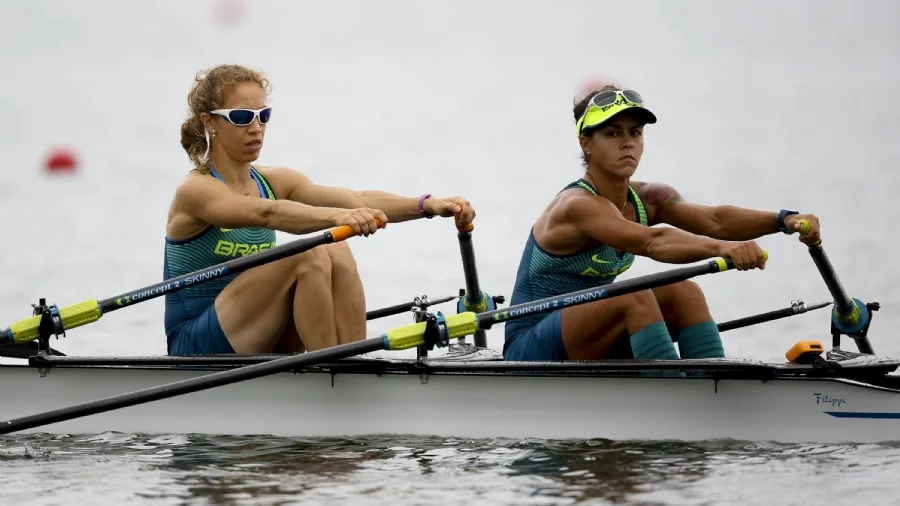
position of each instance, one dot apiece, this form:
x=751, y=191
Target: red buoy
x=61, y=160
x=230, y=12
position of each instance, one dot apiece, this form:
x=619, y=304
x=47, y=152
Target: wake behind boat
x=838, y=396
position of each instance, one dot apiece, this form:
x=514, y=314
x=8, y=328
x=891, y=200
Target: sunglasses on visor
x=604, y=101
x=243, y=117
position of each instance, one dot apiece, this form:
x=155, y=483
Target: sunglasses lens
x=241, y=117
x=265, y=115
x=604, y=98
x=633, y=96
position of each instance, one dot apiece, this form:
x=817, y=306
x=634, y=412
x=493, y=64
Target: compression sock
x=653, y=342
x=701, y=341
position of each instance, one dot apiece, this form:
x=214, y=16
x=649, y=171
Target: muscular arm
x=207, y=200
x=601, y=221
x=298, y=187
x=730, y=223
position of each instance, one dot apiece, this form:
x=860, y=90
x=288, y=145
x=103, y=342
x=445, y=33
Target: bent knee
x=642, y=301
x=689, y=290
x=313, y=262
x=680, y=294
x=342, y=261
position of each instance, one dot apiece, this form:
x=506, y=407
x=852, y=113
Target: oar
x=474, y=300
x=435, y=330
x=91, y=310
x=850, y=316
x=31, y=348
x=793, y=310
x=419, y=302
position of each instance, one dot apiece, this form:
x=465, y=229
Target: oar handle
x=805, y=228
x=468, y=227
x=345, y=232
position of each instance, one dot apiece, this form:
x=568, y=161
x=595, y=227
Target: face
x=239, y=143
x=617, y=146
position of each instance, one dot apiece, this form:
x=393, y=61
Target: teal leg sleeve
x=653, y=342
x=701, y=341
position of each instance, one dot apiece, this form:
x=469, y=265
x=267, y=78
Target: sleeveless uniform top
x=210, y=247
x=542, y=274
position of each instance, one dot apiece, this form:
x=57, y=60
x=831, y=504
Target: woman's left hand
x=451, y=206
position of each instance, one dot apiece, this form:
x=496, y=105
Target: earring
x=214, y=134
x=205, y=156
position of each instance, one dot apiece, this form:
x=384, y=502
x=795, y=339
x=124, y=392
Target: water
x=761, y=104
x=193, y=469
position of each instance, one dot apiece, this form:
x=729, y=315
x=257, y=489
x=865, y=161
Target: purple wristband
x=422, y=206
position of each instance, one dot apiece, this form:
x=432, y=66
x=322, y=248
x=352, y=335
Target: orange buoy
x=61, y=160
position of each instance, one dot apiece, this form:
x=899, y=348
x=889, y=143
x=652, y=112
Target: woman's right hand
x=362, y=220
x=745, y=254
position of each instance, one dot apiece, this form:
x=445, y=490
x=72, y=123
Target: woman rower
x=228, y=207
x=592, y=230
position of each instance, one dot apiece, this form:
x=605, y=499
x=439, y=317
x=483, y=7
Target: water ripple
x=199, y=469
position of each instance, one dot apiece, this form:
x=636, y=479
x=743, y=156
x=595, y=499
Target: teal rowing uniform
x=192, y=326
x=542, y=274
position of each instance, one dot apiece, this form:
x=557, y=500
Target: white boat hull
x=550, y=406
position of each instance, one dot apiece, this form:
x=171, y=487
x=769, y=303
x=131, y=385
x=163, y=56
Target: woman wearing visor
x=592, y=231
x=227, y=207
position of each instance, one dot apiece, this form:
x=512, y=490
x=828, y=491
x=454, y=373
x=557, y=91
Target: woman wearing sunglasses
x=592, y=230
x=228, y=207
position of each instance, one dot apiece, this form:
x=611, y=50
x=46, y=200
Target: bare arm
x=601, y=221
x=209, y=201
x=298, y=187
x=729, y=223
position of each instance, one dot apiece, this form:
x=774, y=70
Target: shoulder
x=656, y=193
x=285, y=181
x=280, y=172
x=196, y=182
x=575, y=204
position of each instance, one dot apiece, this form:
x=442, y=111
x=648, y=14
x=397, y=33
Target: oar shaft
x=192, y=385
x=841, y=299
x=89, y=311
x=770, y=316
x=849, y=316
x=473, y=288
x=406, y=306
x=228, y=268
x=464, y=324
x=486, y=320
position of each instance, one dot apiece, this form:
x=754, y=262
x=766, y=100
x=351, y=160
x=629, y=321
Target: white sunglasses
x=243, y=117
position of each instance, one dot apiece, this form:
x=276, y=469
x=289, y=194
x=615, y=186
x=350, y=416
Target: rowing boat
x=470, y=391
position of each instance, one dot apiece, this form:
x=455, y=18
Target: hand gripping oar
x=850, y=316
x=435, y=330
x=89, y=311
